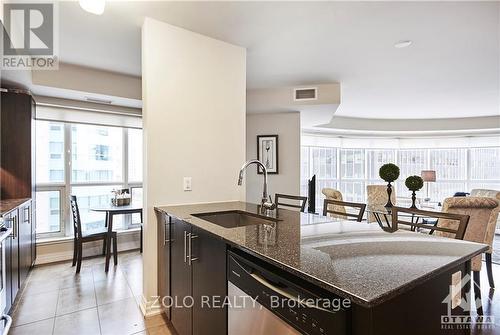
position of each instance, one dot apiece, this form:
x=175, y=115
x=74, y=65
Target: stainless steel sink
x=234, y=219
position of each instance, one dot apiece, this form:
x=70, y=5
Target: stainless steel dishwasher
x=262, y=302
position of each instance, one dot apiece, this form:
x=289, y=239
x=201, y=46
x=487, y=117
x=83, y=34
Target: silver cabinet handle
x=185, y=245
x=190, y=246
x=15, y=227
x=26, y=216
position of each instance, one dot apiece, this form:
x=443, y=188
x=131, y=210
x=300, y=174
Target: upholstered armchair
x=490, y=232
x=483, y=212
x=377, y=195
x=332, y=194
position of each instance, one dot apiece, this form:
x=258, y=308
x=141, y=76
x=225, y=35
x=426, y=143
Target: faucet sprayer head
x=240, y=178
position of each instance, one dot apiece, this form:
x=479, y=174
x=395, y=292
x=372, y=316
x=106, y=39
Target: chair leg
x=104, y=247
x=115, y=251
x=79, y=252
x=140, y=247
x=477, y=292
x=489, y=270
x=75, y=254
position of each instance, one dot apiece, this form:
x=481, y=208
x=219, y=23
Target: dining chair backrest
x=290, y=198
x=75, y=216
x=327, y=209
x=415, y=215
x=377, y=195
x=333, y=194
x=482, y=221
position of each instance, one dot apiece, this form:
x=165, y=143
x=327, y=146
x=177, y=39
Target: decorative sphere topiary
x=414, y=183
x=389, y=172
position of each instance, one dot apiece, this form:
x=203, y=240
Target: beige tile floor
x=57, y=301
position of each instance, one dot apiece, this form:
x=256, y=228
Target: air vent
x=303, y=94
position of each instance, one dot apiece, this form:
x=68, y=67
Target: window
x=96, y=158
x=457, y=169
x=49, y=146
x=135, y=155
x=48, y=211
x=96, y=165
x=352, y=163
x=101, y=152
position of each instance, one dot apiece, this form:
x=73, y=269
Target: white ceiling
x=450, y=70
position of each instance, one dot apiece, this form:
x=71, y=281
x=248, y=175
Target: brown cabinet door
x=14, y=252
x=209, y=279
x=180, y=278
x=25, y=242
x=164, y=240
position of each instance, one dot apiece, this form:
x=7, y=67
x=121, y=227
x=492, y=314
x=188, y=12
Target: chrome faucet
x=266, y=204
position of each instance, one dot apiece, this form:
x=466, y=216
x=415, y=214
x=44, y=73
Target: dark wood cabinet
x=17, y=168
x=164, y=240
x=195, y=262
x=17, y=145
x=209, y=279
x=25, y=241
x=180, y=274
x=11, y=220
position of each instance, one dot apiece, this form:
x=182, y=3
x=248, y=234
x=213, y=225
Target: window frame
x=65, y=187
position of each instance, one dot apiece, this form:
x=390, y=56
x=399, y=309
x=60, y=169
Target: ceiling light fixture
x=93, y=6
x=402, y=44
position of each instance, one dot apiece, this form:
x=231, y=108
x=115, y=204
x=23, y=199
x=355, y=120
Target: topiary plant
x=414, y=183
x=389, y=172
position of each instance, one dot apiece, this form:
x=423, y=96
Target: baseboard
x=149, y=308
x=63, y=250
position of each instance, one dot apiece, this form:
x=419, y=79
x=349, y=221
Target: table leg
x=377, y=218
x=108, y=241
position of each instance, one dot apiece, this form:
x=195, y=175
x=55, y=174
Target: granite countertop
x=6, y=205
x=355, y=260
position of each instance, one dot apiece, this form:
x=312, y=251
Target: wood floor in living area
x=55, y=301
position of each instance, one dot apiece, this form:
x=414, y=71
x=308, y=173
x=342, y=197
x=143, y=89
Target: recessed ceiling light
x=93, y=6
x=402, y=44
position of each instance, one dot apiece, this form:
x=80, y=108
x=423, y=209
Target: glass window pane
x=49, y=145
x=377, y=158
x=136, y=197
x=412, y=162
x=485, y=163
x=48, y=212
x=135, y=155
x=353, y=163
x=94, y=196
x=96, y=153
x=449, y=164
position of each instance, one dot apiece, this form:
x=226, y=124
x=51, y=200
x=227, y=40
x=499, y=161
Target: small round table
x=111, y=210
x=382, y=214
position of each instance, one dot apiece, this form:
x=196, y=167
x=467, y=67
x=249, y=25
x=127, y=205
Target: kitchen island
x=397, y=282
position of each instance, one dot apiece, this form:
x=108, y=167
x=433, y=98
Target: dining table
x=112, y=210
x=383, y=213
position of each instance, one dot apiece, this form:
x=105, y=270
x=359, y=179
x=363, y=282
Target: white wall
x=287, y=127
x=194, y=125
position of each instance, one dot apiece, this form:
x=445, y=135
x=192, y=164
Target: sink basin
x=234, y=219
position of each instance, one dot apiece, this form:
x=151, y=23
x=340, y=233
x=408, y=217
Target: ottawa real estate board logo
x=29, y=39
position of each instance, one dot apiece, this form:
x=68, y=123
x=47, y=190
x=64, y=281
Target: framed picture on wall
x=267, y=153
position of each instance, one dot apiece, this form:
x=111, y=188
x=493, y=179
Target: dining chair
x=81, y=237
x=302, y=201
x=333, y=194
x=328, y=209
x=377, y=196
x=414, y=215
x=490, y=231
x=483, y=214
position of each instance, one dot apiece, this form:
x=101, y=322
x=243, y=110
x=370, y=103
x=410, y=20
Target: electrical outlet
x=187, y=184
